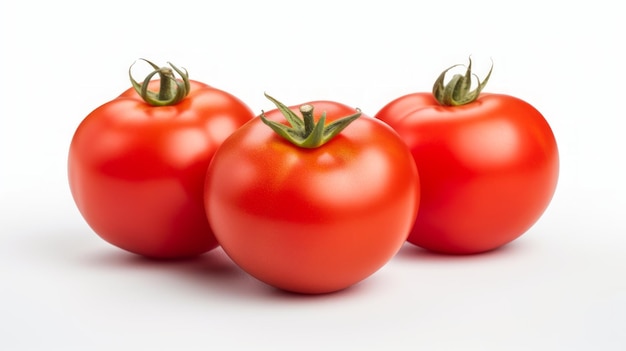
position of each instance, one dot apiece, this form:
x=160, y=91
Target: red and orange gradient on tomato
x=312, y=204
x=137, y=164
x=488, y=164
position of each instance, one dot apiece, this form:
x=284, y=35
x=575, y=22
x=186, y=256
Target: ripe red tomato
x=312, y=218
x=136, y=171
x=488, y=166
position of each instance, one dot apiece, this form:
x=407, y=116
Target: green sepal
x=171, y=90
x=457, y=92
x=305, y=132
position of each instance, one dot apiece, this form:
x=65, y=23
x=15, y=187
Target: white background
x=561, y=286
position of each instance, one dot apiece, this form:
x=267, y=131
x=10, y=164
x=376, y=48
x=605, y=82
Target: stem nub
x=305, y=132
x=457, y=92
x=171, y=90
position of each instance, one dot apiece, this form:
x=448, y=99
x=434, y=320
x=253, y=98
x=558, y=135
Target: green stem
x=307, y=115
x=166, y=87
x=171, y=90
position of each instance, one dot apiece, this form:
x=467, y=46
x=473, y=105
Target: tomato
x=312, y=217
x=136, y=171
x=488, y=165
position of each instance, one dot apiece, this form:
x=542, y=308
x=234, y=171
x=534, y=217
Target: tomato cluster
x=315, y=197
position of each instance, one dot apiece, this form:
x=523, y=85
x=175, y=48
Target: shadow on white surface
x=82, y=254
x=213, y=273
x=410, y=252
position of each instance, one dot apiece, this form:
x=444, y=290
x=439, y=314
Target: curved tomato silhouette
x=315, y=217
x=488, y=164
x=136, y=170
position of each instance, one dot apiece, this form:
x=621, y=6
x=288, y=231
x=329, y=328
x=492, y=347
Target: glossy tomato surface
x=136, y=171
x=488, y=169
x=312, y=220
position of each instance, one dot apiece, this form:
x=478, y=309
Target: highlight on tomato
x=488, y=163
x=137, y=164
x=312, y=203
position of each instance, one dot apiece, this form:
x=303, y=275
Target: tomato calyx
x=305, y=132
x=457, y=91
x=171, y=91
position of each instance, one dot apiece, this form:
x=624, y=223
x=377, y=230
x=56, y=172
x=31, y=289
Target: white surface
x=559, y=287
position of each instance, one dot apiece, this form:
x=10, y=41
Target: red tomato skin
x=312, y=220
x=136, y=172
x=488, y=169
